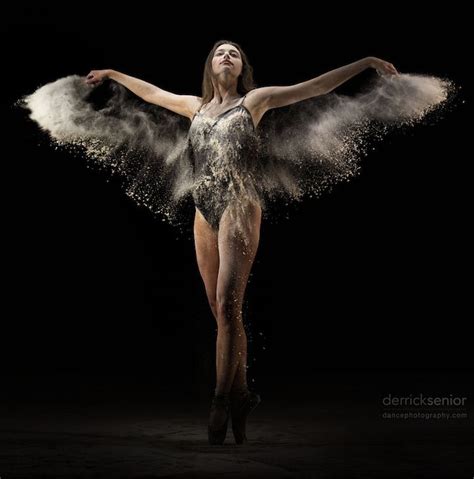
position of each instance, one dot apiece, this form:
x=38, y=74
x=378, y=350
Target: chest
x=233, y=129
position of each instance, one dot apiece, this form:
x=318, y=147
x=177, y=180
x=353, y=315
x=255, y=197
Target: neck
x=225, y=90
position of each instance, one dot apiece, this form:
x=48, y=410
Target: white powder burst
x=307, y=148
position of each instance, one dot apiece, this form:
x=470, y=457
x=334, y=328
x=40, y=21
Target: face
x=227, y=59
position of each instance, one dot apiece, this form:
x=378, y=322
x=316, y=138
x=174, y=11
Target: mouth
x=227, y=62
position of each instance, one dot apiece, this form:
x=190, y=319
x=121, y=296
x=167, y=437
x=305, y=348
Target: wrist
x=111, y=74
x=369, y=62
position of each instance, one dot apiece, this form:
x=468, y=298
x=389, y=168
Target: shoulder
x=257, y=96
x=194, y=104
x=257, y=103
x=260, y=99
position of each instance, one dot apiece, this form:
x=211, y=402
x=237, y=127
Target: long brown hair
x=245, y=81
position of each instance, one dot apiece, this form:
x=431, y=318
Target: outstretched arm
x=185, y=105
x=265, y=98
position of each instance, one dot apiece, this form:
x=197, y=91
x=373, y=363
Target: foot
x=218, y=419
x=242, y=404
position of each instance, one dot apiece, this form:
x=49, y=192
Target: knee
x=213, y=306
x=228, y=309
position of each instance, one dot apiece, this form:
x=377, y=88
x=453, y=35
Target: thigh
x=207, y=254
x=238, y=244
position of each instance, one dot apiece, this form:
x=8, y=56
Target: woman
x=227, y=235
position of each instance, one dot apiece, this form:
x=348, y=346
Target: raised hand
x=96, y=76
x=382, y=66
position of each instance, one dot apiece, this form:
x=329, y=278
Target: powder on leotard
x=303, y=149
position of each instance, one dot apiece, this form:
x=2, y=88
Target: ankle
x=238, y=392
x=221, y=397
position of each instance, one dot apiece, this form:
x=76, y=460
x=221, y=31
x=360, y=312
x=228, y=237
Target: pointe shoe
x=218, y=419
x=242, y=404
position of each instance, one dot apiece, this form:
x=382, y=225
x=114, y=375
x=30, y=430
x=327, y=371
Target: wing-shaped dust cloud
x=304, y=148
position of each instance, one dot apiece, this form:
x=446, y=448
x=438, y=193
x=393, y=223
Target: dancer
x=224, y=148
x=226, y=117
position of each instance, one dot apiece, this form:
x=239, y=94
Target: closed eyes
x=231, y=52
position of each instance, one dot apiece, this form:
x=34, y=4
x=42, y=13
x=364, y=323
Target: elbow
x=149, y=94
x=326, y=90
x=321, y=87
x=148, y=97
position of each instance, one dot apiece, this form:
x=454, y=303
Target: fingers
x=93, y=78
x=387, y=68
x=391, y=69
x=92, y=81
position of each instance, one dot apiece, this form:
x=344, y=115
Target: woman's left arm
x=277, y=96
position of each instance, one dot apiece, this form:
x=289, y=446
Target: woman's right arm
x=185, y=105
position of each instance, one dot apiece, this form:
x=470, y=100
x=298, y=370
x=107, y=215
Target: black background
x=375, y=275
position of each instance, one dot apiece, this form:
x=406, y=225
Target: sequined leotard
x=224, y=152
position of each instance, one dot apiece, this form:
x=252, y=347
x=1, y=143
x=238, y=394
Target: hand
x=97, y=76
x=382, y=66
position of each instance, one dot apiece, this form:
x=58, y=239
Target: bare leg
x=237, y=250
x=207, y=254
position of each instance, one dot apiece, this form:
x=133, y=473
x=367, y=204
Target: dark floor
x=331, y=428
